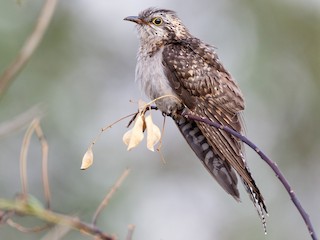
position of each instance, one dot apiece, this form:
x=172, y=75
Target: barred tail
x=258, y=202
x=218, y=168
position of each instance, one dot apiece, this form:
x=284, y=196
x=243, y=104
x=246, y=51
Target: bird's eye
x=157, y=21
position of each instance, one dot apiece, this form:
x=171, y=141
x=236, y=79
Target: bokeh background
x=83, y=76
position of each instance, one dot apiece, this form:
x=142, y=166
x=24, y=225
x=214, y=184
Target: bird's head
x=159, y=26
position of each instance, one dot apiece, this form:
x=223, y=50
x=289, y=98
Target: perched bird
x=188, y=73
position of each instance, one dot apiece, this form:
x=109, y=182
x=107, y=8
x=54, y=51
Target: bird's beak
x=134, y=19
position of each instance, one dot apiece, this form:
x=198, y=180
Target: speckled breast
x=154, y=83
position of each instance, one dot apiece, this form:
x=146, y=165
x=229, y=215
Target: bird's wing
x=199, y=70
x=207, y=89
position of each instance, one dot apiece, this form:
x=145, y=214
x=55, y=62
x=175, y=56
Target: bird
x=182, y=74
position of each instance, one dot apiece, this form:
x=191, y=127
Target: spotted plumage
x=174, y=63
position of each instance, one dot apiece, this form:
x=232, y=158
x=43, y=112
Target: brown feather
x=207, y=89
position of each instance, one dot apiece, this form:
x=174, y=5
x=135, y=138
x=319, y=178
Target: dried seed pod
x=153, y=133
x=134, y=136
x=87, y=159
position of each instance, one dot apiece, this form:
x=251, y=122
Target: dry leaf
x=87, y=159
x=126, y=137
x=153, y=133
x=133, y=137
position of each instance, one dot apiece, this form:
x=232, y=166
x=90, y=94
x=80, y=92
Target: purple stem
x=272, y=164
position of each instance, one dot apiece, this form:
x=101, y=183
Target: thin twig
x=44, y=148
x=20, y=121
x=23, y=158
x=56, y=233
x=5, y=215
x=29, y=46
x=34, y=127
x=272, y=164
x=131, y=228
x=108, y=127
x=107, y=198
x=23, y=229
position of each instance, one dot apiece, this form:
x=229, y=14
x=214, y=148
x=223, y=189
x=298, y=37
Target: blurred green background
x=83, y=75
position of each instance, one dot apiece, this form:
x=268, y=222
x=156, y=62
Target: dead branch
x=21, y=121
x=28, y=206
x=29, y=46
x=131, y=228
x=34, y=127
x=271, y=164
x=107, y=198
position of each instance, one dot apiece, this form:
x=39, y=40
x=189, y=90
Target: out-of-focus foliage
x=83, y=73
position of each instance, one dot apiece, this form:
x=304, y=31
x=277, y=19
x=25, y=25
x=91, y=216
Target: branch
x=35, y=127
x=271, y=164
x=19, y=122
x=131, y=228
x=27, y=205
x=107, y=198
x=31, y=207
x=29, y=46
